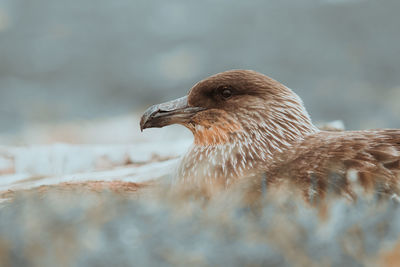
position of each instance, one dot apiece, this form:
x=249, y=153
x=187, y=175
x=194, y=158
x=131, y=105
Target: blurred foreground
x=107, y=229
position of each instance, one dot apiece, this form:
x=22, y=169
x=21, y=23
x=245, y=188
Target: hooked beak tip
x=143, y=121
x=147, y=116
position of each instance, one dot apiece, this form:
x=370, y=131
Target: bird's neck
x=243, y=152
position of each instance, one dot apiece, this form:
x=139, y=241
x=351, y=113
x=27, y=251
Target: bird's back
x=346, y=163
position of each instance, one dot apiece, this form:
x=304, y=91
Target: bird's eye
x=226, y=93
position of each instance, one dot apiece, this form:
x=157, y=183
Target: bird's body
x=348, y=163
x=246, y=124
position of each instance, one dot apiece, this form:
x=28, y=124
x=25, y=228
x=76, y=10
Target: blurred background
x=83, y=71
x=78, y=61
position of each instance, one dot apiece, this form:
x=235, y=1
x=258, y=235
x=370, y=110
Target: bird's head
x=229, y=104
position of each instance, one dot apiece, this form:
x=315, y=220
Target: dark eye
x=226, y=93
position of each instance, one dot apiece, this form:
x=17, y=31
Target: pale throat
x=223, y=152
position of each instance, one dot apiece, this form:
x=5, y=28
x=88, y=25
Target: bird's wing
x=344, y=163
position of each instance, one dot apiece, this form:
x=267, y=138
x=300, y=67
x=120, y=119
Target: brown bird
x=246, y=124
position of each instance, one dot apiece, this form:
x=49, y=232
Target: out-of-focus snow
x=45, y=165
x=337, y=125
x=112, y=149
x=151, y=171
x=60, y=159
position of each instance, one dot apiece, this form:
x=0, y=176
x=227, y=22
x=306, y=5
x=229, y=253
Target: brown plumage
x=349, y=164
x=246, y=124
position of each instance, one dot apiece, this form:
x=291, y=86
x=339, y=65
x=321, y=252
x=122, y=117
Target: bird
x=250, y=127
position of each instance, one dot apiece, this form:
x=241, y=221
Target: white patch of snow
x=148, y=172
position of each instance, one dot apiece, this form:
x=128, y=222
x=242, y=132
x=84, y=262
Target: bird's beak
x=175, y=111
